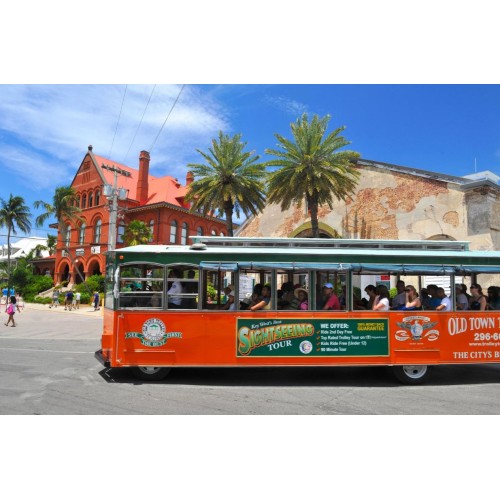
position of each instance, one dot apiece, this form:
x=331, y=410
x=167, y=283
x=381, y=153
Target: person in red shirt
x=332, y=302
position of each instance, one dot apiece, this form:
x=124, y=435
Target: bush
x=91, y=284
x=41, y=300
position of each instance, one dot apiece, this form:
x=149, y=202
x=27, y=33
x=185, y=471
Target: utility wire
x=171, y=109
x=140, y=123
x=119, y=116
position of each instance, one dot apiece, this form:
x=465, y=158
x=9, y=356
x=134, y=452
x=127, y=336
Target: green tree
x=136, y=233
x=14, y=213
x=51, y=243
x=312, y=168
x=229, y=182
x=63, y=208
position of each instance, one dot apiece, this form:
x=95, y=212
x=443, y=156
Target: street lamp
x=113, y=194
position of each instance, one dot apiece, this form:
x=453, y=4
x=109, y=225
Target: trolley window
x=141, y=286
x=182, y=286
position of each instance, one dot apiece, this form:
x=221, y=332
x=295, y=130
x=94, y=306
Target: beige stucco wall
x=394, y=205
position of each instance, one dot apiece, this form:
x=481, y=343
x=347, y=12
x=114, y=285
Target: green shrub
x=41, y=300
x=91, y=284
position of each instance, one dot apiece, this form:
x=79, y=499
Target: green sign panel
x=312, y=337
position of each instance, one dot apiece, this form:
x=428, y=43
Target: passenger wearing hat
x=332, y=302
x=302, y=297
x=229, y=305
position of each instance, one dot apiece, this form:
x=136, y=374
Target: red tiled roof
x=160, y=189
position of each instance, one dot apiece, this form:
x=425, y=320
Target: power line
x=171, y=109
x=119, y=116
x=140, y=123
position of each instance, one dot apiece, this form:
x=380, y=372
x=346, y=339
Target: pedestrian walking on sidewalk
x=69, y=301
x=76, y=300
x=11, y=310
x=96, y=300
x=55, y=298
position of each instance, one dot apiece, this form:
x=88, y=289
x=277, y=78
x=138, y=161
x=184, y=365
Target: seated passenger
x=434, y=300
x=256, y=294
x=265, y=302
x=332, y=302
x=230, y=305
x=174, y=298
x=399, y=301
x=382, y=300
x=371, y=291
x=493, y=298
x=462, y=302
x=412, y=301
x=477, y=301
x=303, y=299
x=445, y=301
x=287, y=298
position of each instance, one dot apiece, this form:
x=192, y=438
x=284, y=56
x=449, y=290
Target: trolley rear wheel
x=150, y=372
x=412, y=374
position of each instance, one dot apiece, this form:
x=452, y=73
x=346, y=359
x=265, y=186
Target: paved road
x=47, y=366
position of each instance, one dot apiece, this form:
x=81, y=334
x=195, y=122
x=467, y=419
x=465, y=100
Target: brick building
x=157, y=201
x=402, y=203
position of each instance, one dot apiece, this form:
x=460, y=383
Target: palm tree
x=230, y=182
x=51, y=243
x=63, y=208
x=312, y=168
x=14, y=213
x=136, y=233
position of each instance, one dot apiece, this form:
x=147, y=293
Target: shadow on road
x=365, y=376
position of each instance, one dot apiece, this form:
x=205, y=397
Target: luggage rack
x=224, y=241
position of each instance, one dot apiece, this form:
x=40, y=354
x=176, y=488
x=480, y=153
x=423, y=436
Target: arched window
x=77, y=201
x=67, y=240
x=184, y=233
x=90, y=199
x=173, y=232
x=121, y=232
x=97, y=231
x=152, y=229
x=84, y=201
x=81, y=238
x=97, y=197
x=199, y=231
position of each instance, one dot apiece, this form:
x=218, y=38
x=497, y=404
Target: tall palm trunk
x=313, y=207
x=228, y=211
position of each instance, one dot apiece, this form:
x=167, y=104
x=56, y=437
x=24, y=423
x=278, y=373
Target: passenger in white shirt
x=445, y=301
x=382, y=300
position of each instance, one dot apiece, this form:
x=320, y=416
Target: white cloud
x=289, y=106
x=47, y=122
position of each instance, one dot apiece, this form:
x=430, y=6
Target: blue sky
x=45, y=129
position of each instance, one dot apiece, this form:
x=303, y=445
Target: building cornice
x=170, y=206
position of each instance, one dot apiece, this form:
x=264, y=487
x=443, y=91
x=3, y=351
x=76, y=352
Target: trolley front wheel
x=412, y=374
x=150, y=372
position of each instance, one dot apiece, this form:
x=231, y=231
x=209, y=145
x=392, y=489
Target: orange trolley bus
x=203, y=305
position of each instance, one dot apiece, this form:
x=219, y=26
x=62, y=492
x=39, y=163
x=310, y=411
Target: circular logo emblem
x=416, y=330
x=305, y=347
x=153, y=329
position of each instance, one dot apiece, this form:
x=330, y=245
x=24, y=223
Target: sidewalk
x=85, y=309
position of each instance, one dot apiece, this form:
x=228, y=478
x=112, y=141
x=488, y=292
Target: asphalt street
x=47, y=367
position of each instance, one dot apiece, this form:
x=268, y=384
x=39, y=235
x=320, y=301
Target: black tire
x=412, y=374
x=150, y=373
